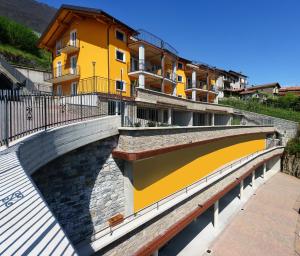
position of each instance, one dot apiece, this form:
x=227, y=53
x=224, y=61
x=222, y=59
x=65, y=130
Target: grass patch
x=254, y=106
x=23, y=58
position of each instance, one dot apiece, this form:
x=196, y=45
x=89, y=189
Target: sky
x=260, y=38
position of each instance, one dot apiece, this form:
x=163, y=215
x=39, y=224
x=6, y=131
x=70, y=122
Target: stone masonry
x=141, y=139
x=138, y=238
x=84, y=188
x=287, y=129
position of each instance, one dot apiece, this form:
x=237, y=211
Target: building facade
x=94, y=52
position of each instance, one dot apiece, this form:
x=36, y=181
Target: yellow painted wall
x=181, y=86
x=93, y=47
x=158, y=177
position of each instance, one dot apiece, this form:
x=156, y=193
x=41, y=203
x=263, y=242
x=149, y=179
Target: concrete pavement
x=267, y=224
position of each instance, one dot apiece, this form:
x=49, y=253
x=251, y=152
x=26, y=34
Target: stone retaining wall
x=287, y=129
x=84, y=188
x=142, y=139
x=129, y=244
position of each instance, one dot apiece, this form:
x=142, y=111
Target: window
x=59, y=90
x=120, y=85
x=73, y=65
x=120, y=55
x=180, y=65
x=179, y=79
x=58, y=69
x=73, y=38
x=120, y=35
x=74, y=88
x=58, y=47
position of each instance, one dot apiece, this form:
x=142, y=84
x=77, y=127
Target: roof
x=263, y=86
x=248, y=92
x=289, y=88
x=65, y=10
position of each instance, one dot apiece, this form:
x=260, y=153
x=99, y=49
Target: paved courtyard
x=268, y=223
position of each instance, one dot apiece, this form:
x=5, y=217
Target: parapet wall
x=287, y=129
x=145, y=139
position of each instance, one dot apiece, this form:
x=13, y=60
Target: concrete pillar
x=229, y=120
x=208, y=87
x=264, y=170
x=191, y=118
x=128, y=188
x=169, y=116
x=160, y=115
x=212, y=119
x=194, y=83
x=155, y=253
x=142, y=63
x=117, y=108
x=216, y=214
x=163, y=72
x=206, y=117
x=241, y=189
x=253, y=179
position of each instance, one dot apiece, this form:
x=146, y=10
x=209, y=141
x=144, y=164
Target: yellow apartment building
x=94, y=52
x=90, y=52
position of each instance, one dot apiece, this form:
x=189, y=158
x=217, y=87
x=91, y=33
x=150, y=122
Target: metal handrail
x=146, y=36
x=61, y=71
x=156, y=205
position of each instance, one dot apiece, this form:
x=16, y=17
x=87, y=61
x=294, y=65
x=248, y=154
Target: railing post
x=6, y=135
x=81, y=106
x=45, y=112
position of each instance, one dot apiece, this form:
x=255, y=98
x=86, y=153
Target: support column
x=241, y=189
x=117, y=108
x=128, y=188
x=163, y=72
x=208, y=87
x=229, y=120
x=126, y=114
x=141, y=65
x=155, y=253
x=216, y=214
x=169, y=116
x=207, y=117
x=212, y=119
x=264, y=171
x=191, y=118
x=161, y=115
x=174, y=78
x=253, y=179
x=194, y=83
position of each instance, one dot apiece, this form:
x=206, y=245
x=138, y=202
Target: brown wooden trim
x=162, y=239
x=133, y=156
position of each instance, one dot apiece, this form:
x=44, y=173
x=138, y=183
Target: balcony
x=68, y=45
x=62, y=74
x=170, y=76
x=146, y=68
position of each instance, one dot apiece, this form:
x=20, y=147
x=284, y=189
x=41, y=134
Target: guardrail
x=108, y=230
x=155, y=40
x=62, y=71
x=21, y=115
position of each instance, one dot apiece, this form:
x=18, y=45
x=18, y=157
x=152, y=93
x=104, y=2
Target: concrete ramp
x=27, y=225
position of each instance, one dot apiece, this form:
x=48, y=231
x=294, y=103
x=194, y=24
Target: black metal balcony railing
x=62, y=71
x=145, y=66
x=154, y=40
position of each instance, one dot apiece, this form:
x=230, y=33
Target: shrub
x=17, y=35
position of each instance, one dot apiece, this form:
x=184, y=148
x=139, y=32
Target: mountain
x=30, y=13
